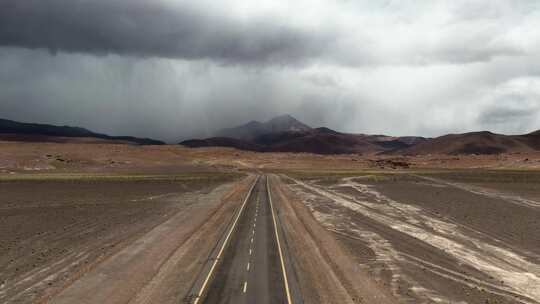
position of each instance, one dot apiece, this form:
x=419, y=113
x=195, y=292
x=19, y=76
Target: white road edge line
x=224, y=244
x=287, y=291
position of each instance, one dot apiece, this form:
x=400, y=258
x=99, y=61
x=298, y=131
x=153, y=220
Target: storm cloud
x=199, y=30
x=177, y=69
x=154, y=29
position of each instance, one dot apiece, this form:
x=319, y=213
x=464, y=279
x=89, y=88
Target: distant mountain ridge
x=483, y=142
x=20, y=128
x=287, y=134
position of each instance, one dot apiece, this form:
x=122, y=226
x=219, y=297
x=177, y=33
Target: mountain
x=42, y=132
x=253, y=129
x=287, y=134
x=394, y=143
x=318, y=141
x=476, y=143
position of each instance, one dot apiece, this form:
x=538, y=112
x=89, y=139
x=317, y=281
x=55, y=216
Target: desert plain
x=99, y=221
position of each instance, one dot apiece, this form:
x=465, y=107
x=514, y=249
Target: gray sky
x=172, y=69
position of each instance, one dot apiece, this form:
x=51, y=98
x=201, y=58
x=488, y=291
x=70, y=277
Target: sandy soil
x=113, y=223
x=433, y=240
x=53, y=232
x=326, y=271
x=31, y=157
x=79, y=155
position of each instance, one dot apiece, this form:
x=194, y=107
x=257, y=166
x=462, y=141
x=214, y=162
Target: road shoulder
x=326, y=273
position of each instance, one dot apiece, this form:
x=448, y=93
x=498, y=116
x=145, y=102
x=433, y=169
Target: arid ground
x=452, y=237
x=103, y=222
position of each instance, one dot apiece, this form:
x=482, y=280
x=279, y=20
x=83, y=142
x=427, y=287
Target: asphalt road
x=251, y=270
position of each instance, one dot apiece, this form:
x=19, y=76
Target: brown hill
x=319, y=141
x=475, y=143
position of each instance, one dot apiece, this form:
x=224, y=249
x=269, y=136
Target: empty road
x=252, y=267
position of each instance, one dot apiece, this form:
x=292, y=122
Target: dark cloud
x=159, y=98
x=192, y=30
x=155, y=29
x=175, y=69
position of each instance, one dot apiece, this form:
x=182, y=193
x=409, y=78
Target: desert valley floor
x=113, y=223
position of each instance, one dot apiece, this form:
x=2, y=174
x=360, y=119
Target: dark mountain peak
x=254, y=129
x=286, y=123
x=285, y=133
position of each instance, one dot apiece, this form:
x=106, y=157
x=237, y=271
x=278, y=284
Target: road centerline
x=254, y=257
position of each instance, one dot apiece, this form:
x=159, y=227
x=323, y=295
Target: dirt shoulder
x=326, y=272
x=148, y=269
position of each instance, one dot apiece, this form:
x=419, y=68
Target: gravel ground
x=54, y=231
x=434, y=239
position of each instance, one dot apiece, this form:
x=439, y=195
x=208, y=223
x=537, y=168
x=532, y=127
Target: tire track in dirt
x=326, y=272
x=520, y=276
x=514, y=199
x=69, y=239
